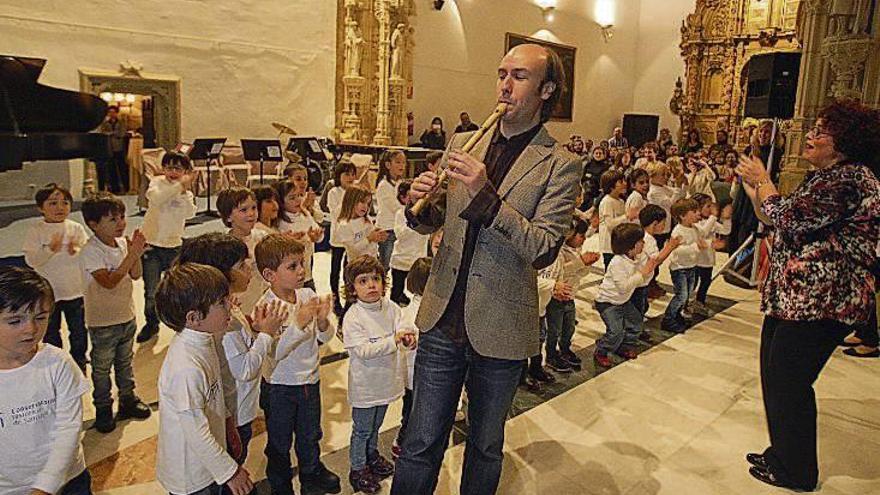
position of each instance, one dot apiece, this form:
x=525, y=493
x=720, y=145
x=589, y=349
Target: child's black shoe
x=320, y=482
x=132, y=408
x=104, y=420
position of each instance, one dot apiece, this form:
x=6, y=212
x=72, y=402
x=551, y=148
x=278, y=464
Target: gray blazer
x=501, y=304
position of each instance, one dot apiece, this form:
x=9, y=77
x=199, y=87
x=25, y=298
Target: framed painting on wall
x=565, y=108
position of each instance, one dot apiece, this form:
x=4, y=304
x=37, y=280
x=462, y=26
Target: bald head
x=530, y=76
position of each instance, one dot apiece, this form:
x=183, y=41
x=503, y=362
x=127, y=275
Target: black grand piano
x=39, y=122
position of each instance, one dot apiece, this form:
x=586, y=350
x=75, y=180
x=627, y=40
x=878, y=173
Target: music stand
x=207, y=149
x=262, y=150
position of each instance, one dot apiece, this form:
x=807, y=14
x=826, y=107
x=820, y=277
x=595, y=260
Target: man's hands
x=240, y=483
x=467, y=170
x=423, y=185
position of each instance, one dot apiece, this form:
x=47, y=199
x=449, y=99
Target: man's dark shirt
x=500, y=156
x=470, y=127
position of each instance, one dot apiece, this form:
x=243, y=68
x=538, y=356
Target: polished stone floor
x=677, y=420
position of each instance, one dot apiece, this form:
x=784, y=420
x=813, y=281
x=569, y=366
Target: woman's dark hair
x=693, y=131
x=437, y=120
x=554, y=73
x=856, y=131
x=222, y=251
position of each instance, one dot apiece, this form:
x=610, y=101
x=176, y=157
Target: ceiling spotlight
x=438, y=4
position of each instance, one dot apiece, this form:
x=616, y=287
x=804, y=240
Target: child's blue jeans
x=623, y=324
x=364, y=446
x=684, y=281
x=561, y=321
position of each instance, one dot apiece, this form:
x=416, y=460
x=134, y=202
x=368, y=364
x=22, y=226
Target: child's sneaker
x=104, y=420
x=380, y=467
x=572, y=358
x=539, y=374
x=602, y=360
x=627, y=353
x=700, y=308
x=686, y=313
x=364, y=481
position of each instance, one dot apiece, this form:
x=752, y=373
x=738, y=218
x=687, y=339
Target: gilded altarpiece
x=374, y=53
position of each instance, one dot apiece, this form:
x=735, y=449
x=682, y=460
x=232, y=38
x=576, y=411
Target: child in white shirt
x=41, y=403
x=651, y=218
x=392, y=167
x=170, y=204
x=344, y=175
x=561, y=312
x=416, y=280
x=660, y=193
x=612, y=210
x=299, y=175
x=375, y=336
x=709, y=226
x=682, y=264
x=409, y=247
x=110, y=263
x=194, y=419
x=639, y=183
x=246, y=342
x=238, y=210
x=623, y=321
x=267, y=208
x=290, y=393
x=356, y=232
x=51, y=247
x=297, y=221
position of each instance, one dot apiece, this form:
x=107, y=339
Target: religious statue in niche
x=353, y=42
x=398, y=45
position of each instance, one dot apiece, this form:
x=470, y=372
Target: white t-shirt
x=257, y=285
x=685, y=255
x=664, y=197
x=376, y=363
x=41, y=423
x=302, y=222
x=352, y=235
x=387, y=205
x=334, y=205
x=547, y=278
x=245, y=353
x=105, y=307
x=293, y=355
x=410, y=245
x=169, y=207
x=408, y=317
x=707, y=228
x=649, y=251
x=192, y=416
x=621, y=279
x=61, y=269
x=635, y=200
x=612, y=212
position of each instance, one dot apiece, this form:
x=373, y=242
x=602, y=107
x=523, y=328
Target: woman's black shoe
x=769, y=478
x=757, y=460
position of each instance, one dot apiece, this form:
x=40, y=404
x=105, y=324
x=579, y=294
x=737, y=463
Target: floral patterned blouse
x=825, y=245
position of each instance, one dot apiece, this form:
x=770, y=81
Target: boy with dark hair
x=110, y=262
x=193, y=300
x=290, y=393
x=171, y=202
x=612, y=210
x=683, y=263
x=408, y=248
x=42, y=449
x=432, y=160
x=51, y=247
x=623, y=321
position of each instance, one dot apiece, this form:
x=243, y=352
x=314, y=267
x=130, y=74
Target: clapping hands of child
x=377, y=235
x=268, y=317
x=407, y=338
x=137, y=244
x=297, y=236
x=589, y=258
x=56, y=242
x=316, y=308
x=563, y=292
x=316, y=233
x=240, y=483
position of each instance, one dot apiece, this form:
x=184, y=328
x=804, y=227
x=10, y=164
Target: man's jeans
x=441, y=368
x=291, y=410
x=112, y=346
x=155, y=260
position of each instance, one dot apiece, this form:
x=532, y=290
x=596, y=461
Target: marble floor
x=677, y=420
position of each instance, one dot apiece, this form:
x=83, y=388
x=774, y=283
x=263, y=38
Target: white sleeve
x=606, y=215
x=188, y=399
x=723, y=227
x=400, y=225
x=82, y=237
x=90, y=260
x=707, y=227
x=623, y=281
x=359, y=345
x=685, y=248
x=245, y=363
x=386, y=196
x=70, y=385
x=35, y=253
x=160, y=191
x=291, y=338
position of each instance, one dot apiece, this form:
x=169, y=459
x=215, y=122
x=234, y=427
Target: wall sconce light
x=607, y=32
x=548, y=9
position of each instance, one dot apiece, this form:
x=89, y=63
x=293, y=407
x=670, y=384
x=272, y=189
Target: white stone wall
x=243, y=63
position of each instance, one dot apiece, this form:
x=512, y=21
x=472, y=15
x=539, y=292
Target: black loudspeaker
x=639, y=128
x=772, y=85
